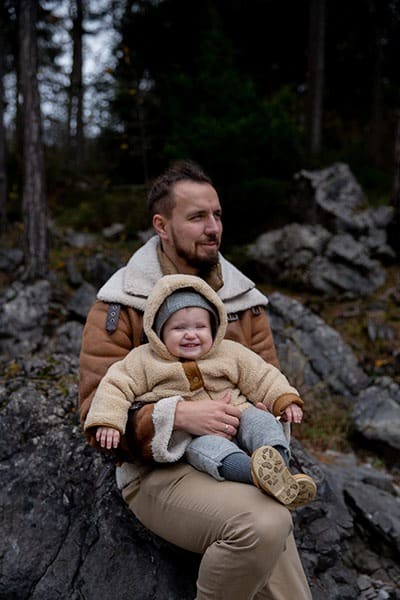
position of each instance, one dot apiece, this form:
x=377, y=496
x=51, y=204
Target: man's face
x=191, y=237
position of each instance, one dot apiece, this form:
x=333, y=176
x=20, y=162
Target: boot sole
x=307, y=491
x=271, y=475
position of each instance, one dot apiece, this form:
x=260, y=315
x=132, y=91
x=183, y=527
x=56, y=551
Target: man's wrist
x=180, y=416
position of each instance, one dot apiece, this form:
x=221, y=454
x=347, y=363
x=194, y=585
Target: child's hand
x=107, y=437
x=293, y=414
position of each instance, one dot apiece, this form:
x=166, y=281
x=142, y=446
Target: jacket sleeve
x=262, y=382
x=284, y=401
x=251, y=328
x=116, y=392
x=99, y=351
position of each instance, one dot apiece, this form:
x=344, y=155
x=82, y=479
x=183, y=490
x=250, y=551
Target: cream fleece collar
x=132, y=284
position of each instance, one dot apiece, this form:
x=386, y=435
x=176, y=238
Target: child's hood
x=164, y=288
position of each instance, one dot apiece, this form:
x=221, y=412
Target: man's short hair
x=160, y=198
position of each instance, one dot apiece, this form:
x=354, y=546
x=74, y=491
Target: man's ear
x=159, y=223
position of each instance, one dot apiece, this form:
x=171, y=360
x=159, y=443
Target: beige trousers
x=245, y=537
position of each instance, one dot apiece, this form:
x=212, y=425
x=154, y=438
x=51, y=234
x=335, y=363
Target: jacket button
x=196, y=379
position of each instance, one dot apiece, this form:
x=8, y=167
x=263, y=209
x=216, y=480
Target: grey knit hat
x=183, y=298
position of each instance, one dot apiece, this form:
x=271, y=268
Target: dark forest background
x=253, y=90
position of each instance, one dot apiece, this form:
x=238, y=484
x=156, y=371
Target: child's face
x=187, y=333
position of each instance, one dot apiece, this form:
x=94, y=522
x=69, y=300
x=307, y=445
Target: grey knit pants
x=256, y=428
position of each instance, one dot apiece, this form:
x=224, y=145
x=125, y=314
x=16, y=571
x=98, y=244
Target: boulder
x=67, y=533
x=309, y=257
x=82, y=300
x=334, y=245
x=371, y=501
x=312, y=354
x=23, y=317
x=68, y=338
x=333, y=198
x=376, y=415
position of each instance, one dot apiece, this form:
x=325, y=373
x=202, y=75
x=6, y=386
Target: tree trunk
x=3, y=173
x=316, y=67
x=34, y=195
x=75, y=105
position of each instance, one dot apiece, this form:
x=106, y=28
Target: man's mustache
x=212, y=238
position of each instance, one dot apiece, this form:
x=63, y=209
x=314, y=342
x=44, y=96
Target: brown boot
x=270, y=474
x=307, y=491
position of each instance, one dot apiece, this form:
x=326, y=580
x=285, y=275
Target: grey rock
x=335, y=245
x=379, y=511
x=376, y=414
x=79, y=239
x=23, y=317
x=98, y=268
x=312, y=353
x=82, y=300
x=376, y=242
x=68, y=537
x=346, y=469
x=373, y=502
x=68, y=338
x=317, y=361
x=114, y=231
x=333, y=198
x=327, y=196
x=74, y=276
x=309, y=257
x=333, y=278
x=10, y=259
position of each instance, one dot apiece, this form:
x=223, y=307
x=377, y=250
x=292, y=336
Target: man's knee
x=273, y=525
x=264, y=531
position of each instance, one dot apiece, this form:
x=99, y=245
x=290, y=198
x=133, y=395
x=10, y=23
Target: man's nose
x=213, y=225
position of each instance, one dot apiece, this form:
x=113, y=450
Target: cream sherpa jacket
x=150, y=373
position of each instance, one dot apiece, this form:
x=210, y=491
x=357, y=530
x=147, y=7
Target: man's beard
x=204, y=264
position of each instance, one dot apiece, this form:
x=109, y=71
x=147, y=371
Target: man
x=245, y=537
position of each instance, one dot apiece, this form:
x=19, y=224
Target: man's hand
x=208, y=417
x=293, y=414
x=108, y=437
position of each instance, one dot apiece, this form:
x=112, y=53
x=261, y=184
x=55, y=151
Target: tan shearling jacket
x=150, y=373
